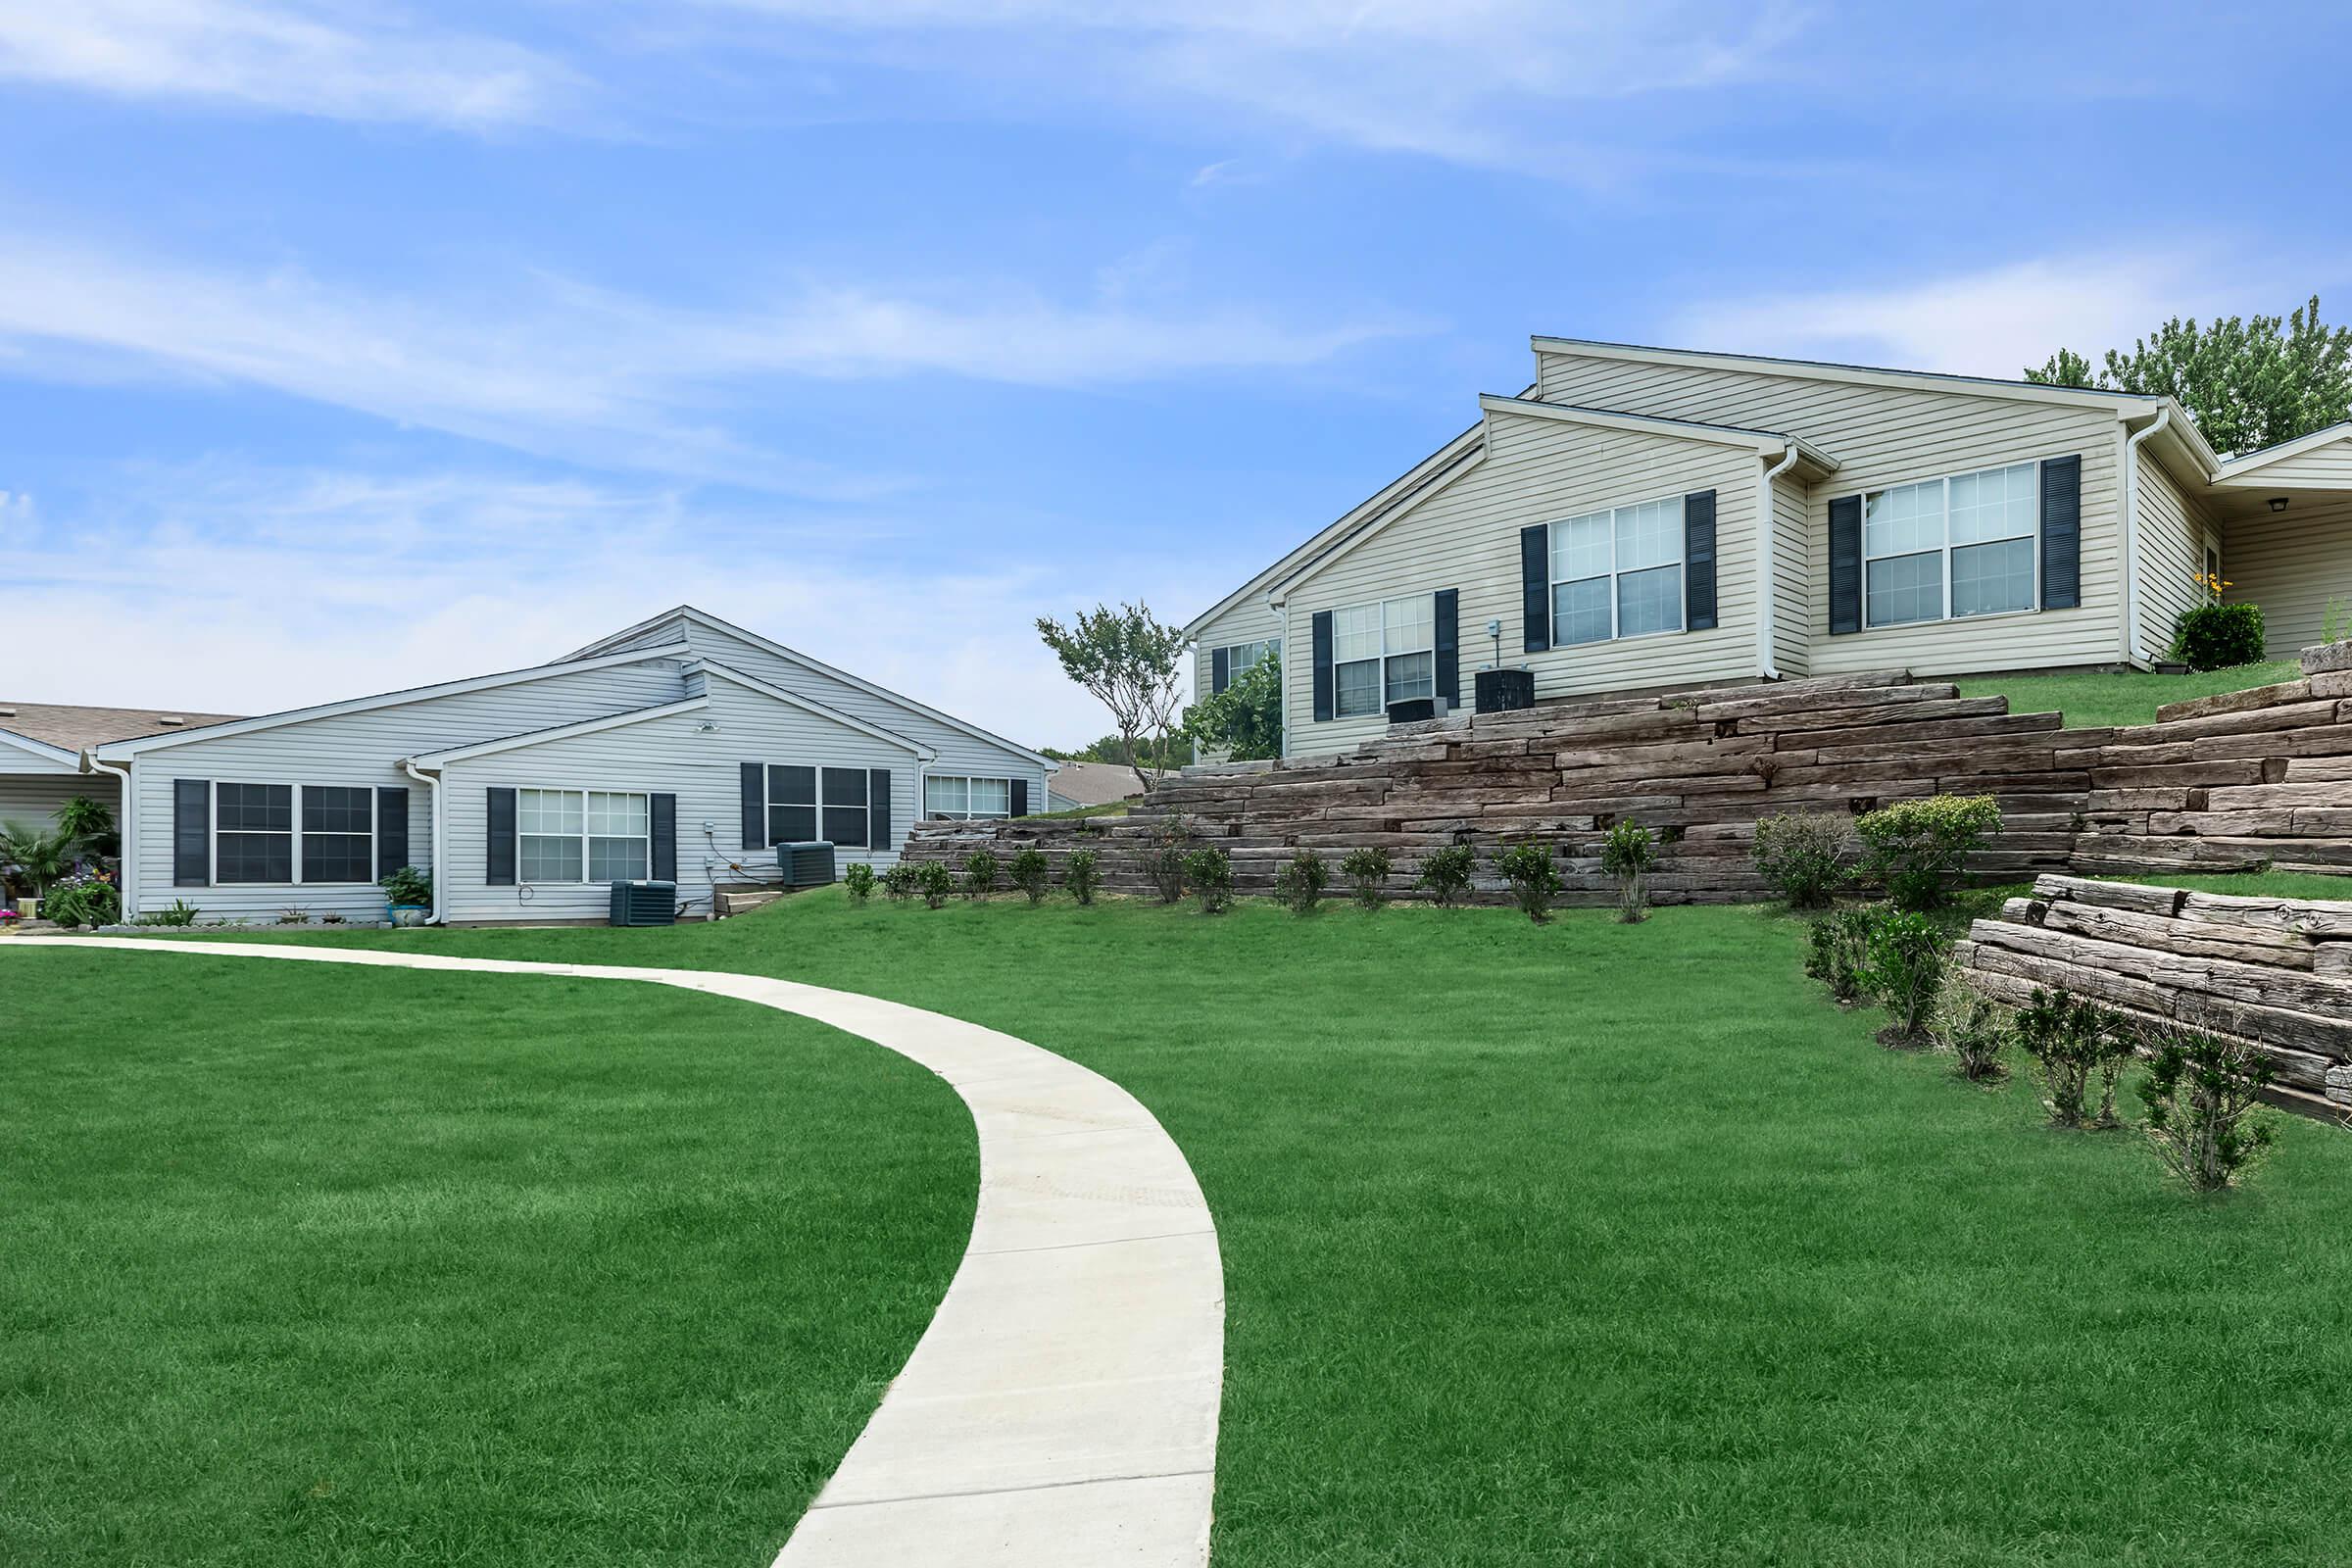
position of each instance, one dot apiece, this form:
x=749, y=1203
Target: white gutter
x=408, y=765
x=129, y=825
x=2164, y=417
x=1765, y=663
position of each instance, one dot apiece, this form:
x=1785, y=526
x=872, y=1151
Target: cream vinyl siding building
x=1863, y=519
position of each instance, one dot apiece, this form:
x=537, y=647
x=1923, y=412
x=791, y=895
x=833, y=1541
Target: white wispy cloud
x=563, y=368
x=304, y=585
x=1485, y=82
x=329, y=61
x=1989, y=322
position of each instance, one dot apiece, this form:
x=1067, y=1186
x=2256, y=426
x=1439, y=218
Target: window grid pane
x=1997, y=503
x=1355, y=688
x=547, y=857
x=254, y=857
x=1580, y=611
x=992, y=796
x=1905, y=518
x=257, y=808
x=1355, y=633
x=332, y=808
x=946, y=795
x=617, y=815
x=1411, y=675
x=616, y=860
x=1409, y=624
x=845, y=825
x=1649, y=535
x=1988, y=579
x=1905, y=588
x=1649, y=601
x=550, y=811
x=337, y=857
x=1579, y=548
x=795, y=824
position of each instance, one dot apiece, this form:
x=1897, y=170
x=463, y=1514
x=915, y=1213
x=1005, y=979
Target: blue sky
x=345, y=346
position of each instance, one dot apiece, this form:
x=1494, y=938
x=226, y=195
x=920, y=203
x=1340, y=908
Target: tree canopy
x=2249, y=383
x=1131, y=661
x=1245, y=719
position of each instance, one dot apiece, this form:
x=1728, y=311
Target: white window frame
x=1234, y=664
x=294, y=832
x=1381, y=658
x=967, y=814
x=587, y=880
x=1944, y=487
x=1681, y=562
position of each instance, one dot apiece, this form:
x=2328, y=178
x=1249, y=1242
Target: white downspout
x=2164, y=417
x=1284, y=686
x=1766, y=665
x=129, y=825
x=408, y=767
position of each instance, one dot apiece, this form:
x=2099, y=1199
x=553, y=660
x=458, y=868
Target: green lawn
x=315, y=1266
x=1595, y=1243
x=2095, y=699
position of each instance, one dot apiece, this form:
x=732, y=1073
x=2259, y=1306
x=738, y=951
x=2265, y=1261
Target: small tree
x=1245, y=719
x=1082, y=873
x=1917, y=849
x=40, y=857
x=1628, y=853
x=1211, y=872
x=1446, y=872
x=1300, y=884
x=2202, y=1092
x=1805, y=856
x=1534, y=876
x=1908, y=957
x=1367, y=872
x=1130, y=662
x=935, y=882
x=1030, y=872
x=2071, y=1038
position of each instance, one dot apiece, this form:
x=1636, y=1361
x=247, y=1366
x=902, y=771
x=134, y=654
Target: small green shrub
x=90, y=823
x=1534, y=876
x=1367, y=874
x=294, y=915
x=1974, y=1028
x=1907, y=961
x=1165, y=864
x=1839, y=953
x=1031, y=874
x=859, y=879
x=1209, y=871
x=1628, y=853
x=2069, y=1039
x=1081, y=874
x=1298, y=884
x=1446, y=872
x=1916, y=849
x=2219, y=636
x=1805, y=856
x=980, y=873
x=408, y=885
x=180, y=912
x=935, y=882
x=2202, y=1092
x=902, y=882
x=82, y=898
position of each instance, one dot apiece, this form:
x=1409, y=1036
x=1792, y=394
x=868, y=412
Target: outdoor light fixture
x=2278, y=502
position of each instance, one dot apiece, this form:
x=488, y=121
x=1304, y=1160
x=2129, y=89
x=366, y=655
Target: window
x=338, y=834
x=791, y=804
x=946, y=794
x=1383, y=652
x=1617, y=574
x=583, y=835
x=1240, y=657
x=254, y=833
x=1944, y=549
x=845, y=806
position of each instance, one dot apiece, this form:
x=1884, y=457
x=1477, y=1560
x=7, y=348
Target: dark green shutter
x=2061, y=533
x=1845, y=564
x=664, y=815
x=499, y=852
x=391, y=831
x=1020, y=797
x=191, y=832
x=1449, y=646
x=877, y=789
x=1322, y=625
x=754, y=806
x=1535, y=587
x=1699, y=560
x=1220, y=673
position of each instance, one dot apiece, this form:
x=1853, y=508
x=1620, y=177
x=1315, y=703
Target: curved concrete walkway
x=1061, y=1409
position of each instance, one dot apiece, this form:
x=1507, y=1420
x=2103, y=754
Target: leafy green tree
x=1245, y=717
x=1130, y=662
x=2249, y=383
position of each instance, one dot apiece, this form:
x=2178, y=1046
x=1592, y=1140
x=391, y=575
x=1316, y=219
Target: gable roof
x=25, y=745
x=412, y=693
x=1863, y=375
x=555, y=732
x=702, y=618
x=72, y=726
x=2245, y=466
x=1764, y=443
x=712, y=666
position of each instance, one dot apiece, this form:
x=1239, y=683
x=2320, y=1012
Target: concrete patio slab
x=1061, y=1411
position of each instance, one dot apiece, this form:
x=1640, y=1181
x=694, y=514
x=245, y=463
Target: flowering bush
x=83, y=898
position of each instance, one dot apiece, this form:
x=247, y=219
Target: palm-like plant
x=39, y=857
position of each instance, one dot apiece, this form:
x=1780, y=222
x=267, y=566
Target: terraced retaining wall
x=2217, y=784
x=2274, y=971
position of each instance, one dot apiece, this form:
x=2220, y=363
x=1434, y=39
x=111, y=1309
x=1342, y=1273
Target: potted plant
x=410, y=893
